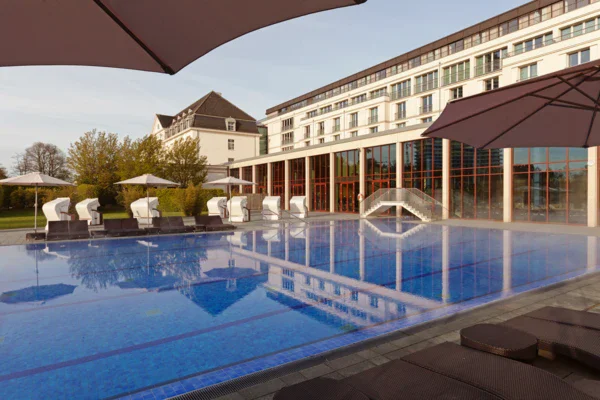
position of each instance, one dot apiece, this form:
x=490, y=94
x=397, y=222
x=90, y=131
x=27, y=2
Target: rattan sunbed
x=212, y=223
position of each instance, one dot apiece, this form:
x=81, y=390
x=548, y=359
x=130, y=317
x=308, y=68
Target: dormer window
x=230, y=124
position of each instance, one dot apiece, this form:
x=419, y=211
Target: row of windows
x=524, y=21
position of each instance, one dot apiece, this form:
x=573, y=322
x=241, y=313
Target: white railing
x=421, y=204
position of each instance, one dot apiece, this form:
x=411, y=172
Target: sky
x=257, y=71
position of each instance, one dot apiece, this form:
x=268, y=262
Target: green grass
x=13, y=219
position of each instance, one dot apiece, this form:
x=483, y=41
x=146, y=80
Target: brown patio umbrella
x=555, y=110
x=148, y=35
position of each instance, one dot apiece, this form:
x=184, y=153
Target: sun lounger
x=212, y=223
x=65, y=230
x=445, y=371
x=170, y=225
x=119, y=228
x=573, y=334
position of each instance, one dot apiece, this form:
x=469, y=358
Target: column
x=286, y=197
x=269, y=179
x=446, y=178
x=331, y=182
x=592, y=195
x=307, y=191
x=361, y=176
x=399, y=168
x=254, y=178
x=508, y=182
x=506, y=262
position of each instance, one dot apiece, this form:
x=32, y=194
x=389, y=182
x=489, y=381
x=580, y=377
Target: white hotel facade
x=362, y=133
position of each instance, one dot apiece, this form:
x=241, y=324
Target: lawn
x=12, y=219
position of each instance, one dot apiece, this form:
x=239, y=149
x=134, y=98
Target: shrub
x=128, y=195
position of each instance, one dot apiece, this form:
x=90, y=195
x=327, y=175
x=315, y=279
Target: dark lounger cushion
x=78, y=229
x=320, y=388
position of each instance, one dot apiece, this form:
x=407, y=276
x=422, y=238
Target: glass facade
x=347, y=181
x=319, y=182
x=550, y=185
x=476, y=182
x=247, y=176
x=423, y=166
x=278, y=180
x=380, y=169
x=261, y=178
x=298, y=177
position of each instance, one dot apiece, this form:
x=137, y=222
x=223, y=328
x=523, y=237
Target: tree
x=3, y=172
x=183, y=163
x=142, y=156
x=42, y=157
x=94, y=159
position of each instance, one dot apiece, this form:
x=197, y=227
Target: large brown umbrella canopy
x=555, y=110
x=148, y=35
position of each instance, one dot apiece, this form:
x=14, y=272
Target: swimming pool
x=160, y=316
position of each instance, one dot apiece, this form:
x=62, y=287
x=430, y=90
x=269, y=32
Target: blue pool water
x=159, y=316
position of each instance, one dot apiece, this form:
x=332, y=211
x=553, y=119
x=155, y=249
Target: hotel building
x=362, y=133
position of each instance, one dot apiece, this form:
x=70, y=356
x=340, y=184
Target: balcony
x=287, y=127
x=320, y=132
x=378, y=94
x=488, y=67
x=400, y=94
x=337, y=128
x=306, y=135
x=374, y=119
x=426, y=109
x=353, y=124
x=401, y=115
x=427, y=85
x=450, y=79
x=287, y=141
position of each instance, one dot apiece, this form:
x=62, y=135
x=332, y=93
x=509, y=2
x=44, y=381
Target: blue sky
x=255, y=72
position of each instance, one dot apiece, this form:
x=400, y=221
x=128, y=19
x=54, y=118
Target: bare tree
x=42, y=157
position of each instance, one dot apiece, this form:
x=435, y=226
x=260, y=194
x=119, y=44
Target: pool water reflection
x=165, y=315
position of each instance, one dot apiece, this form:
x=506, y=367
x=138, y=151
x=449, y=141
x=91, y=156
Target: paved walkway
x=579, y=294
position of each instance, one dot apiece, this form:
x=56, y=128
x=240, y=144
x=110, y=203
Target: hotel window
x=321, y=285
x=288, y=138
x=341, y=104
x=401, y=125
x=322, y=140
x=336, y=138
x=287, y=124
x=491, y=84
x=337, y=290
x=230, y=159
x=354, y=295
x=337, y=124
x=528, y=72
x=378, y=93
x=401, y=110
x=400, y=90
x=427, y=120
x=288, y=284
x=426, y=82
x=325, y=110
x=456, y=73
x=307, y=131
x=312, y=114
x=423, y=165
x=231, y=125
x=321, y=128
x=456, y=93
x=579, y=57
x=307, y=280
x=374, y=301
x=354, y=120
x=373, y=115
x=287, y=148
x=359, y=99
x=354, y=134
x=532, y=44
x=230, y=144
x=426, y=104
x=490, y=62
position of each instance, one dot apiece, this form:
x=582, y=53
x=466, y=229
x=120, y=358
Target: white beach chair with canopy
x=238, y=209
x=298, y=207
x=57, y=210
x=147, y=180
x=145, y=209
x=217, y=206
x=88, y=211
x=271, y=208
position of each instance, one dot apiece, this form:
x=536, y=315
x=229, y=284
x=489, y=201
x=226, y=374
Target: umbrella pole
x=148, y=220
x=35, y=212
